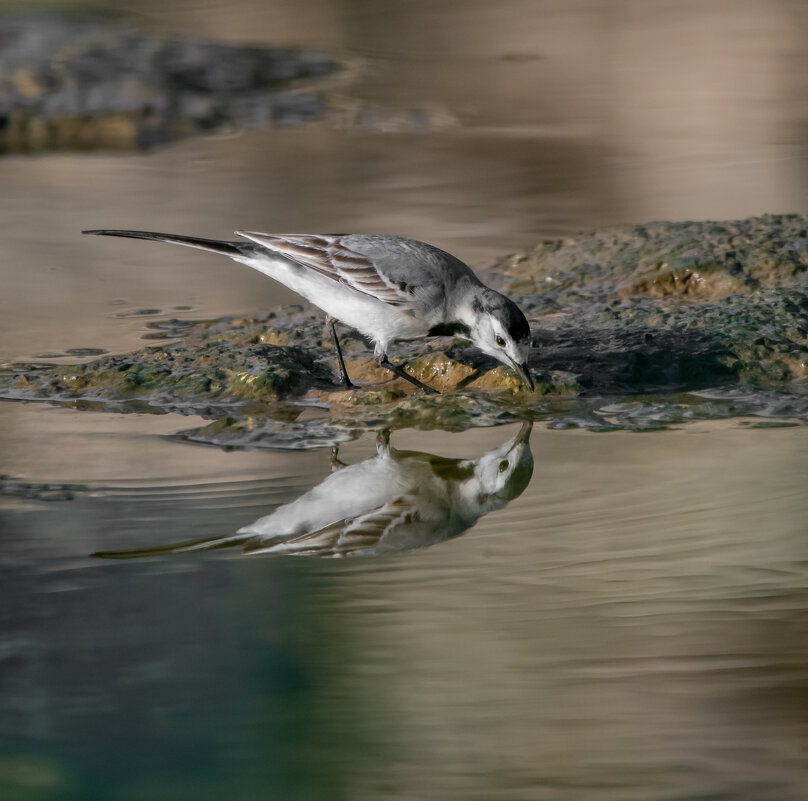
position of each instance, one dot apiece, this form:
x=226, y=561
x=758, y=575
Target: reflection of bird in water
x=394, y=501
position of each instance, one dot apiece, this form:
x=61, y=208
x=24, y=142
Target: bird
x=387, y=287
x=393, y=502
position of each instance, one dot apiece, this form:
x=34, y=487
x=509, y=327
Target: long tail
x=232, y=249
x=208, y=544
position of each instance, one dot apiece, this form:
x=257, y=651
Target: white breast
x=379, y=321
x=349, y=492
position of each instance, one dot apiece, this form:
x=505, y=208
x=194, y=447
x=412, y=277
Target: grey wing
x=415, y=267
x=343, y=537
x=332, y=257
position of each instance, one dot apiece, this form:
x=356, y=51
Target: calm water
x=630, y=626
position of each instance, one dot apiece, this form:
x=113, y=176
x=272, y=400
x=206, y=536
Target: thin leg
x=345, y=380
x=385, y=362
x=383, y=442
x=336, y=463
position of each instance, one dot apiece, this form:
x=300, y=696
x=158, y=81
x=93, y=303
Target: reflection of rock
x=17, y=488
x=396, y=501
x=68, y=82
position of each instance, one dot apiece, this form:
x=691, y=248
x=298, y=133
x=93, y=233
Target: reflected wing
x=329, y=256
x=344, y=537
x=341, y=538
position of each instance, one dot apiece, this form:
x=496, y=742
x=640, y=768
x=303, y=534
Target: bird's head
x=498, y=327
x=498, y=476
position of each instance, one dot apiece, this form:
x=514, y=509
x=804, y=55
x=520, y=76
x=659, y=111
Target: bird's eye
x=503, y=465
x=500, y=341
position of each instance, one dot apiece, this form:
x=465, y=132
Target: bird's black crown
x=505, y=310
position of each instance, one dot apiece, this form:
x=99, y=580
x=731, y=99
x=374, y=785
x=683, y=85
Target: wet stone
x=603, y=358
x=96, y=82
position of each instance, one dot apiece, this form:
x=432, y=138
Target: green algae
x=665, y=259
x=631, y=327
x=673, y=304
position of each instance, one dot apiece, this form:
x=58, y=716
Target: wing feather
x=329, y=256
x=343, y=537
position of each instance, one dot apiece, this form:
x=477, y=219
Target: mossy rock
x=664, y=259
x=646, y=352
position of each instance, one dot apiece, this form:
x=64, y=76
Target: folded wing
x=329, y=256
x=343, y=537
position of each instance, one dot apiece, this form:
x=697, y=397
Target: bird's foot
x=335, y=463
x=399, y=371
x=346, y=382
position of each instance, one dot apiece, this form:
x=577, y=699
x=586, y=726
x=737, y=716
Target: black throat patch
x=448, y=330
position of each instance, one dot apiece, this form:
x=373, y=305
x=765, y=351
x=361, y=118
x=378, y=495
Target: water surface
x=632, y=626
x=629, y=627
x=543, y=119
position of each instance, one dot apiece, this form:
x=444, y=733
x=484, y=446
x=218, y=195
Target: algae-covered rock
x=208, y=367
x=96, y=82
x=666, y=260
x=202, y=369
x=616, y=345
x=671, y=305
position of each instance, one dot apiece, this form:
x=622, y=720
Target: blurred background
x=632, y=627
x=479, y=127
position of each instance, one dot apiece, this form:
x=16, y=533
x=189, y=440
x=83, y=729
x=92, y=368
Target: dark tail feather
x=214, y=245
x=209, y=544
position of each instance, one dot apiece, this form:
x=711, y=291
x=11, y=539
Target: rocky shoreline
x=635, y=327
x=90, y=82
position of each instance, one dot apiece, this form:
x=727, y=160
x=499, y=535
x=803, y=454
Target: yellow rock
x=27, y=84
x=274, y=337
x=434, y=369
x=500, y=378
x=686, y=282
x=437, y=370
x=117, y=131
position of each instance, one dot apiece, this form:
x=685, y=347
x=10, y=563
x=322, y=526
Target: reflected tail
x=209, y=544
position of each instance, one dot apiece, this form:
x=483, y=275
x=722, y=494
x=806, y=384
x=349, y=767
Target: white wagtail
x=386, y=287
x=396, y=501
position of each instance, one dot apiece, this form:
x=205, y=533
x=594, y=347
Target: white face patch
x=490, y=330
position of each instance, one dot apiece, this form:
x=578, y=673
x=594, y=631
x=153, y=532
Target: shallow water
x=547, y=118
x=629, y=627
x=632, y=626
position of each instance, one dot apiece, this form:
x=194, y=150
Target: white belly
x=375, y=319
x=352, y=491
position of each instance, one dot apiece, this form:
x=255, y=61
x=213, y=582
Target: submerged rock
x=90, y=82
x=608, y=352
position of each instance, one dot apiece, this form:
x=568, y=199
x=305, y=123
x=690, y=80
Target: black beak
x=523, y=436
x=523, y=372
